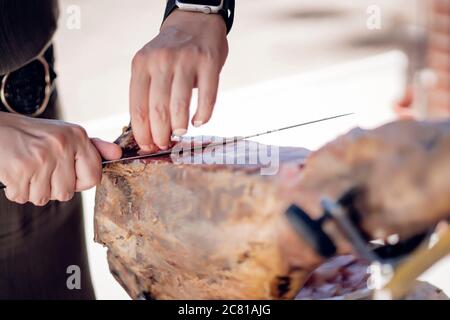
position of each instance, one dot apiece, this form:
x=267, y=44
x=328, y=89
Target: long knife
x=214, y=144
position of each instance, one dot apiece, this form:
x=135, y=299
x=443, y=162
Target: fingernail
x=197, y=123
x=179, y=132
x=163, y=147
x=146, y=147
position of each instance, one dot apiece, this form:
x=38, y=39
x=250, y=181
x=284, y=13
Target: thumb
x=108, y=150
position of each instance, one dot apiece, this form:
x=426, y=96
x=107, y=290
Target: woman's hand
x=44, y=160
x=188, y=53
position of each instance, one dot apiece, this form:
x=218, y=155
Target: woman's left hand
x=188, y=53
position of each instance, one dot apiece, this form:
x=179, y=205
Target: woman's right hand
x=44, y=160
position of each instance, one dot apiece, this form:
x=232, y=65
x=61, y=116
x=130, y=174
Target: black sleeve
x=26, y=28
x=227, y=13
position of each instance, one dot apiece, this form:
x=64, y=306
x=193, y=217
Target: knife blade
x=215, y=144
x=226, y=141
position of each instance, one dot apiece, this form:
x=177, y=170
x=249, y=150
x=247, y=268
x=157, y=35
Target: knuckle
x=79, y=132
x=140, y=114
x=160, y=112
x=19, y=200
x=40, y=154
x=164, y=55
x=210, y=56
x=139, y=60
x=189, y=52
x=179, y=105
x=65, y=196
x=14, y=196
x=59, y=139
x=41, y=202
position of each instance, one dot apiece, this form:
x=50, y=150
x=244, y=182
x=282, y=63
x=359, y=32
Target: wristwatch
x=223, y=7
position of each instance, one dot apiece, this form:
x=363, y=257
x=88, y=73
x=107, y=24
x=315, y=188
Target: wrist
x=225, y=10
x=5, y=116
x=186, y=18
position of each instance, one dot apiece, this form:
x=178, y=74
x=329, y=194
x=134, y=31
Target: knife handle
x=2, y=186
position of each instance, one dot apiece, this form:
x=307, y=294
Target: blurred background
x=290, y=61
x=270, y=39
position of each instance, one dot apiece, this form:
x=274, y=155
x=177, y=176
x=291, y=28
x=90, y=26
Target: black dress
x=37, y=244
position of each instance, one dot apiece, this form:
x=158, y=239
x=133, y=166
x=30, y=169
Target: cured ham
x=185, y=229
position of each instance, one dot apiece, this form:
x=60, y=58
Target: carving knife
x=230, y=140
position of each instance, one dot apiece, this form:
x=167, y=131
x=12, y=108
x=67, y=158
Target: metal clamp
x=347, y=218
x=311, y=231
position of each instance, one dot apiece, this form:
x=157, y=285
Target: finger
x=179, y=102
x=107, y=150
x=88, y=168
x=18, y=190
x=139, y=110
x=40, y=185
x=159, y=110
x=63, y=180
x=208, y=83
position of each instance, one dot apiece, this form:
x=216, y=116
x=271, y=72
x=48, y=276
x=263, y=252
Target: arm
x=188, y=53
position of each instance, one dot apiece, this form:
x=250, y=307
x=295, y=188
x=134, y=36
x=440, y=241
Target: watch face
x=212, y=3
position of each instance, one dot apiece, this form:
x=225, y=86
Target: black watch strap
x=227, y=12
